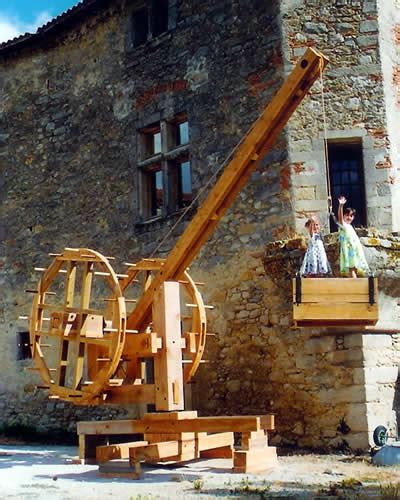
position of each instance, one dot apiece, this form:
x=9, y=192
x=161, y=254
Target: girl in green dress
x=352, y=258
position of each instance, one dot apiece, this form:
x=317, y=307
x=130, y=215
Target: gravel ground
x=41, y=472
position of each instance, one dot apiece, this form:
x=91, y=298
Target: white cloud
x=12, y=26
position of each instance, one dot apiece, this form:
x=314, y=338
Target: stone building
x=113, y=117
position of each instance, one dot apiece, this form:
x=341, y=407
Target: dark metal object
x=298, y=289
x=371, y=290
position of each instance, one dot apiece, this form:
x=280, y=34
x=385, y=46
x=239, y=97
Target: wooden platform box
x=335, y=301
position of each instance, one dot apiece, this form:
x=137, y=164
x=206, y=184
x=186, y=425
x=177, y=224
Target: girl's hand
x=342, y=200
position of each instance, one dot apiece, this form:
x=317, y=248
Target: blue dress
x=315, y=261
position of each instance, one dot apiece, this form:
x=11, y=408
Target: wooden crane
x=89, y=350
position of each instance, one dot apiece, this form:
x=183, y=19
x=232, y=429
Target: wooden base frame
x=181, y=436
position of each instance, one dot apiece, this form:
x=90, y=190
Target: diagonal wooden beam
x=247, y=156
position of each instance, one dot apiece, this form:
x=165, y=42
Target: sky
x=25, y=16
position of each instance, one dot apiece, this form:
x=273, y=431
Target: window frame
x=350, y=150
x=167, y=160
x=152, y=31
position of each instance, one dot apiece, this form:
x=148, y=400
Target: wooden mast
x=248, y=154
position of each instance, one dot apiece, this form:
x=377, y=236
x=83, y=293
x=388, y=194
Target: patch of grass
x=350, y=483
x=344, y=489
x=390, y=491
x=198, y=484
x=246, y=488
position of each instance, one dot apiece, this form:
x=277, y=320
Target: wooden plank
x=250, y=440
x=142, y=345
x=255, y=460
x=307, y=298
x=168, y=375
x=131, y=394
x=177, y=436
x=243, y=423
x=167, y=449
x=335, y=311
x=221, y=452
x=211, y=441
x=335, y=286
x=116, y=451
x=171, y=415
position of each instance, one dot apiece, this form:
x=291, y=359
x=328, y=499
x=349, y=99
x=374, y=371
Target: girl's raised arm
x=342, y=200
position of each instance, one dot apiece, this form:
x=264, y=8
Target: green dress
x=351, y=251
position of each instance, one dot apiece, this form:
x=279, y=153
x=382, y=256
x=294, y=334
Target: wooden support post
x=168, y=375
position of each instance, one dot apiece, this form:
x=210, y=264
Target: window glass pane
x=140, y=26
x=153, y=195
x=183, y=133
x=160, y=17
x=185, y=184
x=157, y=193
x=345, y=177
x=354, y=177
x=157, y=143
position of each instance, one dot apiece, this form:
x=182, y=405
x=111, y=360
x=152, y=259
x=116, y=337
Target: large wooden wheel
x=77, y=336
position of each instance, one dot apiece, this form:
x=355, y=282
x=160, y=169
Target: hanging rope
x=326, y=151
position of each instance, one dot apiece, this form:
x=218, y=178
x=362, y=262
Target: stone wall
x=356, y=99
x=327, y=387
x=70, y=109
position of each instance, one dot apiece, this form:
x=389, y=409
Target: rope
x=326, y=152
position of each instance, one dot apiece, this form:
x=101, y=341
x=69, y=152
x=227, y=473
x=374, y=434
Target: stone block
x=356, y=417
x=347, y=357
x=304, y=362
x=320, y=345
x=369, y=26
x=353, y=394
x=353, y=340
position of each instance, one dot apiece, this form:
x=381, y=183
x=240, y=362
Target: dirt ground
x=41, y=472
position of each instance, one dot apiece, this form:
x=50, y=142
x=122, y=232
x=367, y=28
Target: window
x=23, y=346
x=165, y=176
x=151, y=19
x=346, y=173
